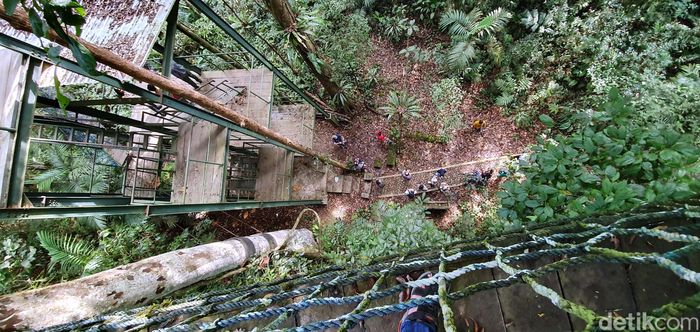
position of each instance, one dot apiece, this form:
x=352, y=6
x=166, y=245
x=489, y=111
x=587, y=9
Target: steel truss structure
x=89, y=127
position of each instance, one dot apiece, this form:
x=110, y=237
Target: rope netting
x=566, y=243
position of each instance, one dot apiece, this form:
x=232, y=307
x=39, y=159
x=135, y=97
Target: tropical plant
x=74, y=255
x=399, y=105
x=416, y=54
x=397, y=26
x=468, y=32
x=610, y=164
x=18, y=261
x=70, y=169
x=384, y=229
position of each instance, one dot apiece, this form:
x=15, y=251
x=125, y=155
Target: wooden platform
x=309, y=179
x=256, y=87
x=274, y=174
x=295, y=122
x=343, y=184
x=205, y=146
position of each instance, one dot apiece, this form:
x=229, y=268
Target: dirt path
x=500, y=137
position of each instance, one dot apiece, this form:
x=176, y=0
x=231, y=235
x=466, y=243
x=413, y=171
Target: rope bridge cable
x=573, y=241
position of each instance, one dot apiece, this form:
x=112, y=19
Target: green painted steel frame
x=229, y=30
x=115, y=118
x=148, y=210
x=170, y=39
x=38, y=53
x=20, y=150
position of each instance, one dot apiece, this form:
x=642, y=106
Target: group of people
x=359, y=165
x=478, y=178
x=436, y=181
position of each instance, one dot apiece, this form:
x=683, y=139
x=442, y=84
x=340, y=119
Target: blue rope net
x=567, y=243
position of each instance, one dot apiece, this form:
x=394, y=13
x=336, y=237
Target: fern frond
x=135, y=219
x=70, y=252
x=495, y=50
x=494, y=22
x=504, y=100
x=459, y=56
x=523, y=84
x=458, y=23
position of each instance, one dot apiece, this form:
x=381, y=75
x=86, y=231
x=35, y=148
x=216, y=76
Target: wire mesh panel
x=242, y=174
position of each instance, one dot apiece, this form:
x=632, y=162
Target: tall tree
x=307, y=49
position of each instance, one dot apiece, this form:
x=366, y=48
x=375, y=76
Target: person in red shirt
x=380, y=137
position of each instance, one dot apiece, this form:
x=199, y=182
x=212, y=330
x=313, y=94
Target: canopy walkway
x=567, y=275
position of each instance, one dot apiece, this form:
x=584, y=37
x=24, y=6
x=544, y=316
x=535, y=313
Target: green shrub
x=385, y=229
x=19, y=259
x=610, y=164
x=397, y=26
x=447, y=96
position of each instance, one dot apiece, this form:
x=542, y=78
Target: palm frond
x=72, y=253
x=460, y=55
x=458, y=23
x=495, y=49
x=494, y=22
x=400, y=103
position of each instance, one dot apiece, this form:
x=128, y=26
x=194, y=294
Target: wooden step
x=356, y=184
x=334, y=183
x=347, y=184
x=437, y=205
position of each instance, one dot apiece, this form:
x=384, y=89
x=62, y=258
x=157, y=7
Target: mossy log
x=139, y=283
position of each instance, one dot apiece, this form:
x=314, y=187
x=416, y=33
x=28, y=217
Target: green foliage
x=74, y=255
x=428, y=10
x=396, y=25
x=386, y=228
x=268, y=268
x=416, y=54
x=17, y=264
x=611, y=164
x=58, y=15
x=66, y=248
x=564, y=56
x=447, y=96
x=400, y=104
x=471, y=33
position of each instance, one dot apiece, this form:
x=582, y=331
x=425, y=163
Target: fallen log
x=139, y=283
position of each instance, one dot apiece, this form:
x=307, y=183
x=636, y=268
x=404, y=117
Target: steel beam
x=76, y=200
x=108, y=101
x=160, y=49
x=38, y=53
x=148, y=210
x=228, y=29
x=170, y=40
x=114, y=118
x=20, y=151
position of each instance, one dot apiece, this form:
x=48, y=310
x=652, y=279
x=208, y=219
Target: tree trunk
x=283, y=14
x=209, y=46
x=20, y=21
x=141, y=282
